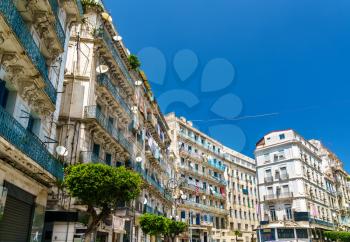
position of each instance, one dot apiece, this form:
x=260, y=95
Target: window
x=285, y=233
x=96, y=150
x=3, y=94
x=108, y=159
x=282, y=136
x=302, y=233
x=288, y=211
x=273, y=213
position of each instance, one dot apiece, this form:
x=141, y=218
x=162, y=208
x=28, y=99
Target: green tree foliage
x=91, y=4
x=337, y=235
x=159, y=225
x=134, y=62
x=101, y=188
x=237, y=234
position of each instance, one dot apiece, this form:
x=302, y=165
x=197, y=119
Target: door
x=16, y=223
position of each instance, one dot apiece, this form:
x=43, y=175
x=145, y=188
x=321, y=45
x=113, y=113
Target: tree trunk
x=92, y=227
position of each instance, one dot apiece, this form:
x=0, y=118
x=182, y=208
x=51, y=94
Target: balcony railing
x=25, y=141
x=107, y=39
x=94, y=113
x=80, y=7
x=278, y=196
x=153, y=182
x=58, y=27
x=216, y=165
x=206, y=208
x=14, y=19
x=220, y=180
x=89, y=156
x=103, y=80
x=268, y=179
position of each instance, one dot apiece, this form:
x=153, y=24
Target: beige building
x=207, y=192
x=33, y=42
x=108, y=115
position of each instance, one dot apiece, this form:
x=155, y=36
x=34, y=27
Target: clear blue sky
x=290, y=57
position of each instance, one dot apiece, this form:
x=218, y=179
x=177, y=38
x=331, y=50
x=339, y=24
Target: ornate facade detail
x=15, y=74
x=8, y=59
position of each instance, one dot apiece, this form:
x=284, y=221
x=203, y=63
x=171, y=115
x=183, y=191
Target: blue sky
x=290, y=58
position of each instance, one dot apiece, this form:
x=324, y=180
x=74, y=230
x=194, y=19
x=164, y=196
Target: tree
x=134, y=62
x=340, y=236
x=237, y=233
x=101, y=188
x=159, y=225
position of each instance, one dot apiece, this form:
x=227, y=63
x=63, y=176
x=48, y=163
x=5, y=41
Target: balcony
x=216, y=165
x=89, y=156
x=154, y=157
x=29, y=144
x=95, y=116
x=280, y=196
x=151, y=181
x=153, y=127
x=191, y=154
x=268, y=179
x=74, y=8
x=113, y=97
x=206, y=208
x=16, y=23
x=128, y=84
x=60, y=33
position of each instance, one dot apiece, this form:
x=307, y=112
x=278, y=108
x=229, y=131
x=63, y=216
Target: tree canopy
x=159, y=225
x=101, y=188
x=337, y=235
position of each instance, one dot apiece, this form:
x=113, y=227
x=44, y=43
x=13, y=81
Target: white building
x=33, y=42
x=217, y=186
x=296, y=201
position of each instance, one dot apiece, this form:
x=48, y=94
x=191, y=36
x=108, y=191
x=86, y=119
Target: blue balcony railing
x=94, y=113
x=14, y=19
x=103, y=80
x=80, y=7
x=152, y=181
x=58, y=27
x=107, y=39
x=148, y=209
x=29, y=144
x=216, y=165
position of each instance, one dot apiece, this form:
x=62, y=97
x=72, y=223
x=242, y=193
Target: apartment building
x=297, y=200
x=33, y=43
x=108, y=115
x=242, y=197
x=337, y=180
x=208, y=185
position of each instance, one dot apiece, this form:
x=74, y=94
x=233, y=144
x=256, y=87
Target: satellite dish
x=102, y=69
x=138, y=159
x=134, y=109
x=117, y=38
x=61, y=151
x=138, y=83
x=128, y=51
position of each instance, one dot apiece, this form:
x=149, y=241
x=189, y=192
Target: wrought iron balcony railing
x=268, y=179
x=94, y=113
x=107, y=39
x=103, y=80
x=14, y=19
x=216, y=165
x=89, y=156
x=61, y=35
x=206, y=208
x=28, y=143
x=80, y=7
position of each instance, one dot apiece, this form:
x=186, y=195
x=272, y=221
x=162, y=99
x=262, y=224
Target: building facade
x=207, y=186
x=33, y=43
x=108, y=115
x=297, y=200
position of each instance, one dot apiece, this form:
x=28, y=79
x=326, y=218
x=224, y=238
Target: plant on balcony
x=156, y=225
x=101, y=188
x=237, y=233
x=93, y=4
x=134, y=62
x=340, y=236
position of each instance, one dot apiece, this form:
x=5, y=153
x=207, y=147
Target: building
x=242, y=197
x=205, y=193
x=337, y=180
x=297, y=200
x=33, y=43
x=109, y=115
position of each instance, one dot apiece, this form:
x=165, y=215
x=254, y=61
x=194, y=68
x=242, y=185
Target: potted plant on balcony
x=91, y=4
x=134, y=62
x=101, y=188
x=237, y=233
